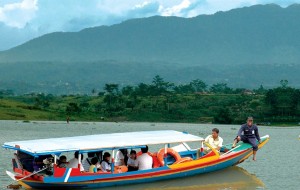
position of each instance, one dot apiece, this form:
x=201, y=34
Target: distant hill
x=239, y=47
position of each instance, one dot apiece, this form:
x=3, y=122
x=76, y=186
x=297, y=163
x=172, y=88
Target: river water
x=277, y=165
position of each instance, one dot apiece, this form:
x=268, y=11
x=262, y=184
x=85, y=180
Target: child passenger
x=62, y=162
x=132, y=162
x=93, y=167
x=105, y=164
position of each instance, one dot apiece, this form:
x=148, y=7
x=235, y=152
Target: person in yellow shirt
x=214, y=140
x=93, y=167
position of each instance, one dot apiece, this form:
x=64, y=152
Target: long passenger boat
x=171, y=161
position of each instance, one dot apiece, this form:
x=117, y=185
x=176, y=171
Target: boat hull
x=71, y=178
x=163, y=173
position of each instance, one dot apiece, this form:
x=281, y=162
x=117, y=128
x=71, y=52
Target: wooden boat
x=178, y=161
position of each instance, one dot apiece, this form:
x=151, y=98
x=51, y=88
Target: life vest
x=120, y=169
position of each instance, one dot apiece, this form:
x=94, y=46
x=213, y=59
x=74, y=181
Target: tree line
x=219, y=102
x=161, y=87
x=164, y=101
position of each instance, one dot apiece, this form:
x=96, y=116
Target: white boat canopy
x=100, y=141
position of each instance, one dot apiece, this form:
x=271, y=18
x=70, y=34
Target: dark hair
x=105, y=155
x=124, y=151
x=215, y=130
x=94, y=160
x=91, y=154
x=132, y=152
x=62, y=157
x=98, y=153
x=76, y=154
x=144, y=150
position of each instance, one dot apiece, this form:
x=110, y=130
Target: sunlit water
x=277, y=165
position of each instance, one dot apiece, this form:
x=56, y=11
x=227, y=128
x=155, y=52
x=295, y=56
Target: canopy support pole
x=202, y=149
x=55, y=159
x=113, y=161
x=79, y=160
x=165, y=155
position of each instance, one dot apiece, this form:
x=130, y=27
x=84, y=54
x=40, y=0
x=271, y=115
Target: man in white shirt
x=214, y=140
x=144, y=161
x=73, y=163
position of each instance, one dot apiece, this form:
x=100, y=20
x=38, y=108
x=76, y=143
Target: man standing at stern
x=248, y=133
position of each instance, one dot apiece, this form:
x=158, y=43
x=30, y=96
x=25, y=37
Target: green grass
x=183, y=108
x=15, y=110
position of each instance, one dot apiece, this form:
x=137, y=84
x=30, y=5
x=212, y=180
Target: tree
x=159, y=86
x=283, y=100
x=94, y=91
x=111, y=89
x=260, y=90
x=43, y=101
x=73, y=108
x=239, y=90
x=284, y=83
x=84, y=106
x=101, y=93
x=198, y=85
x=127, y=90
x=270, y=98
x=142, y=89
x=220, y=88
x=184, y=89
x=223, y=116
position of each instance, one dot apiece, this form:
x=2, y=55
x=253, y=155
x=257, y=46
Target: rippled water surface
x=277, y=165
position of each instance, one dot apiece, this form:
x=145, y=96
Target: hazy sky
x=22, y=20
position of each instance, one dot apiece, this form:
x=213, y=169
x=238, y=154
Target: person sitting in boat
x=99, y=155
x=93, y=167
x=132, y=162
x=62, y=162
x=248, y=133
x=121, y=157
x=38, y=162
x=105, y=164
x=213, y=140
x=73, y=163
x=26, y=160
x=86, y=163
x=144, y=161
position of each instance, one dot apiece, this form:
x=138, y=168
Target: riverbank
x=190, y=108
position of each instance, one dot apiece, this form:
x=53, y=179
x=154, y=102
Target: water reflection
x=233, y=178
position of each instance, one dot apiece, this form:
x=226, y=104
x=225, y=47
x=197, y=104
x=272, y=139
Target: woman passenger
x=105, y=164
x=121, y=157
x=132, y=161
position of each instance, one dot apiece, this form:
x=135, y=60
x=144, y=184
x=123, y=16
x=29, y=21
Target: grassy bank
x=189, y=108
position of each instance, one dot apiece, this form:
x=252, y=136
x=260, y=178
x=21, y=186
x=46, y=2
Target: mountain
x=239, y=47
